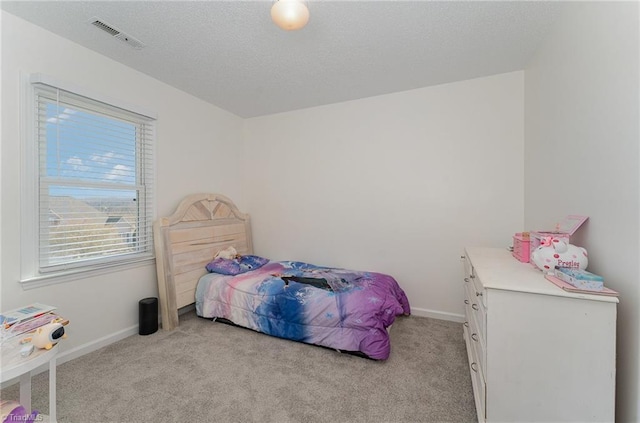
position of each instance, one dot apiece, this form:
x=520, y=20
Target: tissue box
x=580, y=278
x=521, y=246
x=563, y=231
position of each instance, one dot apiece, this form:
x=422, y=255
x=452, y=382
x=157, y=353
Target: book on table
x=27, y=319
x=24, y=313
x=570, y=288
x=580, y=278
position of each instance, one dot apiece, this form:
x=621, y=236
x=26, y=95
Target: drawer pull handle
x=466, y=279
x=472, y=276
x=462, y=257
x=478, y=294
x=466, y=302
x=474, y=306
x=466, y=324
x=474, y=336
x=474, y=367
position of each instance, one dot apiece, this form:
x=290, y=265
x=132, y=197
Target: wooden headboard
x=186, y=241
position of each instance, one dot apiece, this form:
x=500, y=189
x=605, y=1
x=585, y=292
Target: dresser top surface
x=498, y=269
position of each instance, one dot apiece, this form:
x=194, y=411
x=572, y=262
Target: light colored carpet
x=211, y=372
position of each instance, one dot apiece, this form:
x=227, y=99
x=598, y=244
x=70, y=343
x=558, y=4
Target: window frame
x=30, y=276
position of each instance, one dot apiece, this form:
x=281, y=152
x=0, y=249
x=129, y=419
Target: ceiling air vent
x=133, y=42
x=116, y=33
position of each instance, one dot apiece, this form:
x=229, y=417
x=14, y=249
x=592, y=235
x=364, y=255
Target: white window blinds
x=95, y=181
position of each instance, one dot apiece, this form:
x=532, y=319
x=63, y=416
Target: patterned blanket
x=336, y=308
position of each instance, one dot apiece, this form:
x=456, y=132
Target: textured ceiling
x=230, y=54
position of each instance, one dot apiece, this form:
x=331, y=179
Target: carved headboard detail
x=186, y=241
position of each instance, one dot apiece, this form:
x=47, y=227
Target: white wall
x=582, y=157
x=397, y=183
x=192, y=136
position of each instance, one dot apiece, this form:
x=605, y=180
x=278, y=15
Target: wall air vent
x=116, y=33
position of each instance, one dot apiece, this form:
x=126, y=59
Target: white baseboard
x=440, y=315
x=80, y=350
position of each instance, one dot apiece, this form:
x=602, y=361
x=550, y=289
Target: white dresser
x=536, y=352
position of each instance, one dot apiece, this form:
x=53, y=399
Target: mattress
x=336, y=308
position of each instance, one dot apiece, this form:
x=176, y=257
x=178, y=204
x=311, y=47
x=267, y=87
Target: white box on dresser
x=536, y=352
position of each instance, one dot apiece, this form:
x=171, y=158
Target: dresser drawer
x=478, y=289
x=477, y=335
x=477, y=377
x=471, y=277
x=477, y=311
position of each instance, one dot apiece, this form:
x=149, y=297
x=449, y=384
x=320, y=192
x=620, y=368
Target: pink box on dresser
x=521, y=249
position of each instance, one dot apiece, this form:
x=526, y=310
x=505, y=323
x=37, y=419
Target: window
x=94, y=184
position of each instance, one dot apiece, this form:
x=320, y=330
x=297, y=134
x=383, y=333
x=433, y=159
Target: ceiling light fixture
x=290, y=14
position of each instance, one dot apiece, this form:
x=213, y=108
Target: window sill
x=70, y=275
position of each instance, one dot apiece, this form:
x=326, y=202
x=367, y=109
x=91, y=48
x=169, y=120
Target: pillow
x=224, y=266
x=236, y=266
x=248, y=263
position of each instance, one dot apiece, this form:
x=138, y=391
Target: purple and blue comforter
x=336, y=308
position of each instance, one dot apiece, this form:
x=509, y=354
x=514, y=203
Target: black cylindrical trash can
x=148, y=313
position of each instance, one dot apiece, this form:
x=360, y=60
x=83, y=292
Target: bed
x=341, y=309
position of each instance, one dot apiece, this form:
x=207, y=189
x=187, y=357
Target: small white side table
x=13, y=365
